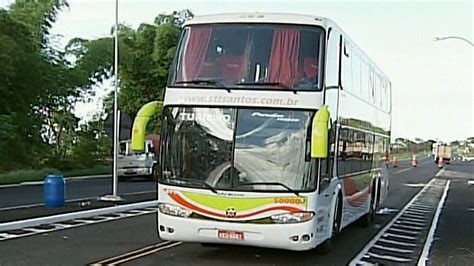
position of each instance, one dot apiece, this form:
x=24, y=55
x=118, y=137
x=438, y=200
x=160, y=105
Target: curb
x=74, y=215
x=71, y=178
x=86, y=177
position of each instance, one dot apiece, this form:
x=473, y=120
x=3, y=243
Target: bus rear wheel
x=367, y=218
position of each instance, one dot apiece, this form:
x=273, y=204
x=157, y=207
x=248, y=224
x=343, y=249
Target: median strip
x=74, y=215
x=404, y=238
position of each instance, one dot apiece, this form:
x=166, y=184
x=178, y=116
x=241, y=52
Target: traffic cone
x=441, y=162
x=414, y=162
x=396, y=162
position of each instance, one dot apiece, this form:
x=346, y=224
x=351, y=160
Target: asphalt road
x=454, y=244
x=75, y=189
x=95, y=242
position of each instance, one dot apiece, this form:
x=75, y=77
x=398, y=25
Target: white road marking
x=440, y=172
x=393, y=249
x=398, y=236
x=397, y=242
x=392, y=258
x=429, y=241
x=403, y=231
x=408, y=227
x=413, y=219
x=403, y=170
x=415, y=185
x=366, y=253
x=74, y=215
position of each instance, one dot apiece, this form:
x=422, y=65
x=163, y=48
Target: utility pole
x=115, y=196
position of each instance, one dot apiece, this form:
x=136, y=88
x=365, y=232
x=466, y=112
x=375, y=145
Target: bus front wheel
x=325, y=247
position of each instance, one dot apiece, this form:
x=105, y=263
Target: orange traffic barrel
x=396, y=162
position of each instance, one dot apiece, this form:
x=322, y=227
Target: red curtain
x=195, y=52
x=283, y=65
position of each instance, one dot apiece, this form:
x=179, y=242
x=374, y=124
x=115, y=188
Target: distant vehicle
x=138, y=164
x=275, y=129
x=467, y=158
x=441, y=150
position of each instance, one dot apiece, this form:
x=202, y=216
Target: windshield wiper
x=195, y=182
x=276, y=84
x=212, y=82
x=272, y=184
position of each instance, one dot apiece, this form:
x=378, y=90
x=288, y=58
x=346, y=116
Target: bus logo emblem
x=230, y=213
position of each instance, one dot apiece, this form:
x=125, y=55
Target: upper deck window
x=249, y=56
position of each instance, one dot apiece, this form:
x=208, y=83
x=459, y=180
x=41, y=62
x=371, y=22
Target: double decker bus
x=275, y=133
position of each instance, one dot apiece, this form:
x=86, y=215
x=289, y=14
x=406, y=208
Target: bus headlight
x=173, y=210
x=295, y=217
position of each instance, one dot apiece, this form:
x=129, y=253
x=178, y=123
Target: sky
x=432, y=82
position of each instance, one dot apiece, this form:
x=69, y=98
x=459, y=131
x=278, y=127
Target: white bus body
x=235, y=166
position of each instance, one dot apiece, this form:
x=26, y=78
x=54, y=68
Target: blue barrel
x=54, y=191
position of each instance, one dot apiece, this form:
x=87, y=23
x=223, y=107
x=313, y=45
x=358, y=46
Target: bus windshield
x=249, y=56
x=237, y=149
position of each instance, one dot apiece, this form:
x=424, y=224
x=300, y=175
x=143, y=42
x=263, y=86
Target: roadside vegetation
x=40, y=84
x=403, y=149
x=18, y=176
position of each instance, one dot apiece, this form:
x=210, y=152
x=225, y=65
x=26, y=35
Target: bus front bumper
x=296, y=236
x=125, y=172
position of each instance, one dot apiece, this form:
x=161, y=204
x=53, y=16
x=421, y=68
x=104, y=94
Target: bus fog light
x=173, y=210
x=305, y=238
x=294, y=238
x=295, y=217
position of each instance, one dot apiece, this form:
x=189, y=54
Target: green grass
x=96, y=170
x=19, y=176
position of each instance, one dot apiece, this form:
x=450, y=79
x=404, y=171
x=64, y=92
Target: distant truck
x=138, y=164
x=442, y=151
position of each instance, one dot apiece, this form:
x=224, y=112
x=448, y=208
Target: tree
x=38, y=86
x=145, y=57
x=91, y=145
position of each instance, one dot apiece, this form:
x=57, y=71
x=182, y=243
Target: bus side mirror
x=319, y=134
x=139, y=125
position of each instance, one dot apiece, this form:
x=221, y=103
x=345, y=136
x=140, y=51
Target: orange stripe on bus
x=176, y=197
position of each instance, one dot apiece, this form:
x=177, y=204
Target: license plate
x=233, y=235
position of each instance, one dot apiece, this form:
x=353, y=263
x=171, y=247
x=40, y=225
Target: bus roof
x=258, y=17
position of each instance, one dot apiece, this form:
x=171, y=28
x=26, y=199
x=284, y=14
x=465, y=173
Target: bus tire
x=367, y=218
x=326, y=246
